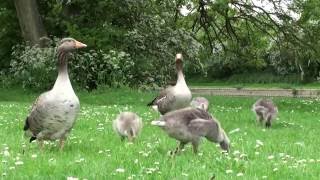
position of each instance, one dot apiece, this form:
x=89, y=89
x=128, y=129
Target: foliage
x=94, y=68
x=33, y=67
x=9, y=32
x=217, y=38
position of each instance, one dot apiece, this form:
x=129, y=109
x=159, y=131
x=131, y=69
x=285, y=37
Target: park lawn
x=218, y=84
x=289, y=150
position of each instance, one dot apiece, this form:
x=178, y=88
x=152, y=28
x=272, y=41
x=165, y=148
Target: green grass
x=290, y=148
x=314, y=85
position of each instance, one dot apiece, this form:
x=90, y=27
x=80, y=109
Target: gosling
x=127, y=125
x=266, y=111
x=200, y=102
x=189, y=125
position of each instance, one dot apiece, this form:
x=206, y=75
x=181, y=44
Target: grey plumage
x=54, y=112
x=127, y=125
x=189, y=125
x=265, y=110
x=173, y=97
x=200, y=102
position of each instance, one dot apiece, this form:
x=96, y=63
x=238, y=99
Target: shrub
x=98, y=68
x=33, y=67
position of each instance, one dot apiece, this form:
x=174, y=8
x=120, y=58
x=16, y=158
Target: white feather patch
x=158, y=123
x=155, y=107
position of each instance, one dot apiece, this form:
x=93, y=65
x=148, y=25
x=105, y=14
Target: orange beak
x=80, y=45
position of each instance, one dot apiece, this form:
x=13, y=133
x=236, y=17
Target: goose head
x=179, y=62
x=70, y=44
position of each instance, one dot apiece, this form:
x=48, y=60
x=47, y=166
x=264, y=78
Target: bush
x=35, y=68
x=97, y=68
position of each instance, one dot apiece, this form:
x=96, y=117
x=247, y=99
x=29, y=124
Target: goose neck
x=63, y=76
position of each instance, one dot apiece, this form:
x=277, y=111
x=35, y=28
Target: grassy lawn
x=314, y=85
x=289, y=150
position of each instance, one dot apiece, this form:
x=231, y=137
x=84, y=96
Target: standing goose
x=173, y=97
x=54, y=112
x=189, y=125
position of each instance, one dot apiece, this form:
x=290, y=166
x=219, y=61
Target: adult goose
x=189, y=125
x=54, y=112
x=173, y=97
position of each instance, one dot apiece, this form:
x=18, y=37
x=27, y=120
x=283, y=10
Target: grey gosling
x=127, y=124
x=54, y=112
x=200, y=102
x=265, y=110
x=173, y=97
x=189, y=125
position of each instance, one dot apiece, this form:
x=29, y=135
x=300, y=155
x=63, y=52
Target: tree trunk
x=30, y=22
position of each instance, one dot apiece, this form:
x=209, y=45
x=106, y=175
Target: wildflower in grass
x=184, y=174
x=299, y=143
x=136, y=161
x=271, y=157
x=120, y=170
x=6, y=153
x=275, y=169
x=229, y=171
x=234, y=131
x=236, y=152
x=12, y=168
x=256, y=153
x=79, y=160
x=156, y=163
x=4, y=174
x=311, y=160
x=4, y=161
x=240, y=174
x=100, y=151
x=34, y=156
x=72, y=178
x=18, y=163
x=264, y=177
x=259, y=142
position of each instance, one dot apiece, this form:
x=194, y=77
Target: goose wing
x=201, y=127
x=37, y=114
x=164, y=100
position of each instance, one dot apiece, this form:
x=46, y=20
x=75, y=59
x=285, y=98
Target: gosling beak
x=80, y=45
x=179, y=57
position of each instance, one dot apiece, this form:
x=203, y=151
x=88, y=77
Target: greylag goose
x=174, y=97
x=200, y=102
x=265, y=110
x=127, y=124
x=189, y=125
x=54, y=112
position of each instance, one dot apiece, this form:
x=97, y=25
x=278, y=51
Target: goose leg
x=61, y=143
x=195, y=145
x=122, y=138
x=130, y=138
x=41, y=145
x=178, y=148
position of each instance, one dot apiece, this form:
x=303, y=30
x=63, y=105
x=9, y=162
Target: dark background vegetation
x=133, y=42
